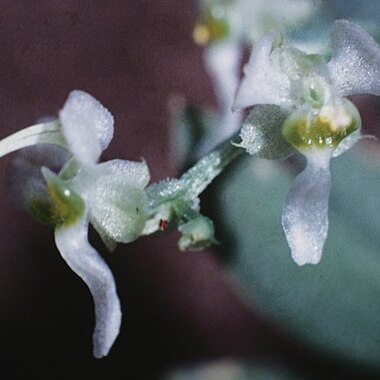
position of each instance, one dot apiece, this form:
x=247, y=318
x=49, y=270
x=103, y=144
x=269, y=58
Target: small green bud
x=197, y=234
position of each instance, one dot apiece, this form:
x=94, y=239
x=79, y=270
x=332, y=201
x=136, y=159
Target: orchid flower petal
x=223, y=65
x=305, y=216
x=262, y=83
x=261, y=133
x=119, y=208
x=355, y=65
x=86, y=262
x=87, y=126
x=347, y=143
x=135, y=172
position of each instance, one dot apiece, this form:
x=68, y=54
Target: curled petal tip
x=86, y=262
x=108, y=321
x=305, y=250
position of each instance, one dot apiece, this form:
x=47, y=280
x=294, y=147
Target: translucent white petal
x=86, y=262
x=262, y=83
x=261, y=133
x=118, y=208
x=355, y=65
x=305, y=216
x=223, y=65
x=347, y=143
x=134, y=172
x=87, y=126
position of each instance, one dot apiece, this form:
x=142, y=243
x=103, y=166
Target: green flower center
x=63, y=207
x=323, y=129
x=213, y=26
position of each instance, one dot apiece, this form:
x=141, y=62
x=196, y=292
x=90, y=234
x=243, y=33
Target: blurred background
x=180, y=309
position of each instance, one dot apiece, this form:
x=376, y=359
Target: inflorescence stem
x=197, y=178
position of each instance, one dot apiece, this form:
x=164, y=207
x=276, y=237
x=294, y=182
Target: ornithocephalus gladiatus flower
x=300, y=103
x=108, y=195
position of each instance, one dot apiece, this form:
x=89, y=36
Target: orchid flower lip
x=305, y=215
x=86, y=262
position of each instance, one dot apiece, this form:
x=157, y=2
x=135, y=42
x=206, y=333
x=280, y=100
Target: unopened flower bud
x=197, y=234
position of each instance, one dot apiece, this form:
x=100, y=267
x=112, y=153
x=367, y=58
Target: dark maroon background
x=178, y=307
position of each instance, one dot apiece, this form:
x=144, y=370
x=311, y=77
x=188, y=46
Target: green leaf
x=334, y=305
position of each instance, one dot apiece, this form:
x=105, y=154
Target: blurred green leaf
x=334, y=305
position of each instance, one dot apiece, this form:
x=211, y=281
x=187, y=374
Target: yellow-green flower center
x=212, y=27
x=63, y=207
x=323, y=129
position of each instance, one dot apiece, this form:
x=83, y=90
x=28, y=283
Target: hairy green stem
x=174, y=199
x=197, y=178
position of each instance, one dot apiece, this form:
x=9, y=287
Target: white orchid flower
x=300, y=103
x=226, y=26
x=110, y=195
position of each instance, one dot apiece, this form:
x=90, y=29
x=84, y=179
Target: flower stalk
x=197, y=178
